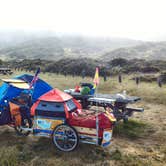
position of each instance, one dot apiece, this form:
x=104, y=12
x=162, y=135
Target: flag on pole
x=35, y=78
x=96, y=78
x=96, y=82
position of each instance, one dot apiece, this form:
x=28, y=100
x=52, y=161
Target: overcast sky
x=136, y=19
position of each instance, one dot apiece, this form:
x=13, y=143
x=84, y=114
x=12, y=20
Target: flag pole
x=33, y=82
x=97, y=120
x=96, y=83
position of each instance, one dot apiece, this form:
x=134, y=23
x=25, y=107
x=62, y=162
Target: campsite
x=82, y=83
x=140, y=141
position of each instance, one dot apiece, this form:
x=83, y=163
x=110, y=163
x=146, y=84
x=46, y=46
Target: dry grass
x=140, y=142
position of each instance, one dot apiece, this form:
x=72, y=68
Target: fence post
x=83, y=74
x=137, y=80
x=120, y=78
x=159, y=82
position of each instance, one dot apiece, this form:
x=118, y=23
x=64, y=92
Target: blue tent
x=7, y=92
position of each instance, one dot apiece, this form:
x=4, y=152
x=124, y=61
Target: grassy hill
x=52, y=46
x=148, y=51
x=47, y=48
x=57, y=47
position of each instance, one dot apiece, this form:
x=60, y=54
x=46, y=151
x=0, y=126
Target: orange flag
x=96, y=78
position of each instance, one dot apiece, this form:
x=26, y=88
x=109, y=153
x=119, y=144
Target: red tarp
x=55, y=95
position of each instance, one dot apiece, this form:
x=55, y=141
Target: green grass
x=149, y=92
x=116, y=155
x=21, y=151
x=128, y=159
x=133, y=160
x=132, y=129
x=9, y=156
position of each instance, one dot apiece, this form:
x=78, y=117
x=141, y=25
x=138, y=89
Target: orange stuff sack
x=15, y=113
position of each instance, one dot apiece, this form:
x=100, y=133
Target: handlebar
x=135, y=109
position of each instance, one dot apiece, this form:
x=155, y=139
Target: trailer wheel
x=27, y=124
x=65, y=138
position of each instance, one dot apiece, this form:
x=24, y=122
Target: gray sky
x=137, y=19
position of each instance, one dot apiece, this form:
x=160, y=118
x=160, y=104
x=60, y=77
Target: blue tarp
x=40, y=88
x=7, y=92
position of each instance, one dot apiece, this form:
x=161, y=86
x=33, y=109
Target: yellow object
x=47, y=124
x=23, y=85
x=110, y=116
x=17, y=83
x=55, y=123
x=96, y=78
x=85, y=130
x=13, y=81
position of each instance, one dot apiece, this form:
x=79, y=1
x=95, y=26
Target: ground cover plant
x=141, y=141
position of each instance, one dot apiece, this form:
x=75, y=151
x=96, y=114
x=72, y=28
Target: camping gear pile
x=30, y=105
x=118, y=103
x=11, y=98
x=52, y=113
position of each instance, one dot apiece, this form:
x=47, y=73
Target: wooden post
x=65, y=74
x=159, y=82
x=73, y=74
x=105, y=78
x=83, y=74
x=120, y=78
x=137, y=80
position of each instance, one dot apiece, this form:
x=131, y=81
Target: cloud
x=138, y=19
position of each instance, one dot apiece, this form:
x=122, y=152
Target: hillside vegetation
x=147, y=50
x=54, y=47
x=58, y=47
x=86, y=66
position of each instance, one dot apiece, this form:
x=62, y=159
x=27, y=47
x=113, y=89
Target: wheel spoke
x=65, y=138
